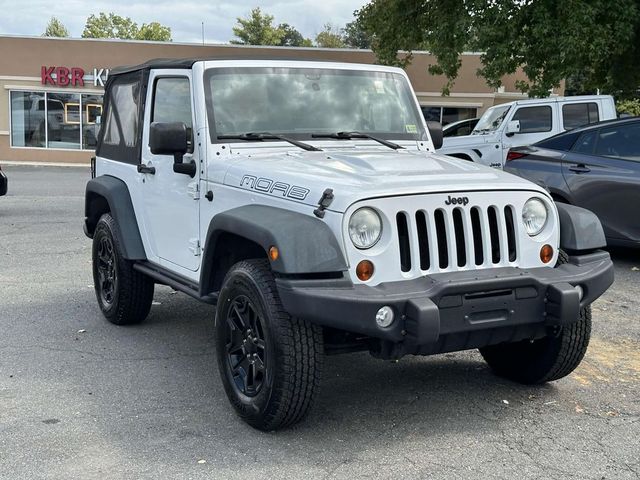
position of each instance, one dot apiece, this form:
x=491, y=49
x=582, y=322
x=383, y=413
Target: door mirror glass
x=435, y=132
x=169, y=139
x=513, y=127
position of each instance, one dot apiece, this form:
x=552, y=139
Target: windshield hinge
x=194, y=189
x=324, y=203
x=194, y=247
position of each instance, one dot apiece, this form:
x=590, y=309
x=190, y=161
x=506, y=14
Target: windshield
x=491, y=119
x=299, y=102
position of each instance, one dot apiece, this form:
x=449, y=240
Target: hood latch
x=324, y=203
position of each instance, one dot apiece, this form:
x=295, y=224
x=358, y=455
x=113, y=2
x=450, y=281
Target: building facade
x=51, y=89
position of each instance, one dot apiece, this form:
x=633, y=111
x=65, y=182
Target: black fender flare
x=580, y=229
x=110, y=194
x=306, y=244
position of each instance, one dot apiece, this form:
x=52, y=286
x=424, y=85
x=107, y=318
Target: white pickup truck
x=524, y=122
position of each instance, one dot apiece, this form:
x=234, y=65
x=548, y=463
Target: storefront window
x=455, y=114
x=447, y=115
x=91, y=120
x=28, y=119
x=63, y=120
x=55, y=120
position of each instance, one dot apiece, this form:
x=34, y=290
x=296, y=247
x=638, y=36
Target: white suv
x=305, y=201
x=524, y=122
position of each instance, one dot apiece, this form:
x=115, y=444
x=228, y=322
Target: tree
x=355, y=36
x=110, y=26
x=55, y=28
x=154, y=31
x=114, y=26
x=330, y=37
x=292, y=37
x=547, y=39
x=257, y=29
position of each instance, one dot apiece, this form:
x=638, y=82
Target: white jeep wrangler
x=305, y=201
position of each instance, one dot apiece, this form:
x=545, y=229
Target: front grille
x=456, y=239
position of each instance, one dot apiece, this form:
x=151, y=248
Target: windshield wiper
x=350, y=135
x=259, y=137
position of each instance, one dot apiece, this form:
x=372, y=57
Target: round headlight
x=365, y=227
x=534, y=216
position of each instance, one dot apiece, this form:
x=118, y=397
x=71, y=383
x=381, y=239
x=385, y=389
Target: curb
x=43, y=164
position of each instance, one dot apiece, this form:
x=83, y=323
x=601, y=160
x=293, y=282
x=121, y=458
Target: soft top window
x=123, y=109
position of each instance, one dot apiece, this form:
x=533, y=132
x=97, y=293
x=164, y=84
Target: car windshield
x=491, y=119
x=301, y=102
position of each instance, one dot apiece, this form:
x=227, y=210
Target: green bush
x=630, y=107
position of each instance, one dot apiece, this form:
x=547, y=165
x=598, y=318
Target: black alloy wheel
x=107, y=270
x=124, y=294
x=270, y=362
x=245, y=345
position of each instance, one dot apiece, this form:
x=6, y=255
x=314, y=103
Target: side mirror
x=513, y=127
x=435, y=132
x=168, y=139
x=172, y=139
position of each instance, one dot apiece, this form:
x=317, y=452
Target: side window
x=577, y=114
x=119, y=137
x=172, y=103
x=124, y=103
x=585, y=143
x=534, y=119
x=620, y=142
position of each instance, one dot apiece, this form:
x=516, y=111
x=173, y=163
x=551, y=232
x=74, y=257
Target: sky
x=30, y=17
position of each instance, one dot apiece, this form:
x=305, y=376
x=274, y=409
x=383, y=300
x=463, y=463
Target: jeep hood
x=358, y=175
x=469, y=140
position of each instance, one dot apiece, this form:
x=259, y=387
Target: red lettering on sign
x=45, y=75
x=62, y=76
x=77, y=75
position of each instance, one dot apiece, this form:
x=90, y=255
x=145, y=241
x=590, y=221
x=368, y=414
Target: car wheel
x=549, y=358
x=124, y=294
x=269, y=362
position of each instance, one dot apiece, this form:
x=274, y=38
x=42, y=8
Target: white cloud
x=30, y=17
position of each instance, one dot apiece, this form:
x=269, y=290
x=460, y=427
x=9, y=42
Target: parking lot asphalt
x=81, y=398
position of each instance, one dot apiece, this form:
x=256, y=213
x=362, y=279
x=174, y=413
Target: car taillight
x=511, y=155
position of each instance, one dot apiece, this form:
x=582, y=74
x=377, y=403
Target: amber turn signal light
x=546, y=253
x=274, y=254
x=364, y=270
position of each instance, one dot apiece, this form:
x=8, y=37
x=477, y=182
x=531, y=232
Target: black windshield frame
x=419, y=136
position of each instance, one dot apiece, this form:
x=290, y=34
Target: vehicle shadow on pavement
x=359, y=393
x=624, y=254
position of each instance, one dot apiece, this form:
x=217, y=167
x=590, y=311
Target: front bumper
x=483, y=306
x=3, y=183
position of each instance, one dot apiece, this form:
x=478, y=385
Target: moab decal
x=272, y=187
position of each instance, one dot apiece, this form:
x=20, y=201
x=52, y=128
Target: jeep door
x=602, y=172
x=537, y=122
x=171, y=209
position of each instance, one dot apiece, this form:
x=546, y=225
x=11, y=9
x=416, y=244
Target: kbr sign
x=72, y=77
x=62, y=76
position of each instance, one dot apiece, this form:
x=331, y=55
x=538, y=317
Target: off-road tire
x=549, y=358
x=132, y=294
x=291, y=355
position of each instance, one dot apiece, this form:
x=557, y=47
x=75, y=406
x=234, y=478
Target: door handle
x=580, y=168
x=145, y=169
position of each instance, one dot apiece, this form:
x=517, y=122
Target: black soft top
x=156, y=63
x=187, y=63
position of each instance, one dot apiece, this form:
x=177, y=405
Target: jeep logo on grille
x=456, y=201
